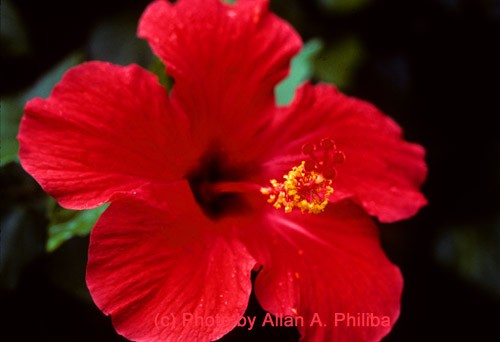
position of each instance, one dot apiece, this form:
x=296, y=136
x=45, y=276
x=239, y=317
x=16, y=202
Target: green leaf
x=158, y=68
x=65, y=224
x=338, y=63
x=11, y=112
x=301, y=69
x=12, y=107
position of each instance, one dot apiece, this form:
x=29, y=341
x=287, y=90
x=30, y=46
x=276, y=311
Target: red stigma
x=323, y=158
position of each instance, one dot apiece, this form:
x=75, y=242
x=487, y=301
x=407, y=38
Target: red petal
x=104, y=129
x=323, y=266
x=226, y=61
x=382, y=172
x=165, y=274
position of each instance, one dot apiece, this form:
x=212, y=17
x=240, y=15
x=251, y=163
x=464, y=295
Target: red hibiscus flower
x=214, y=181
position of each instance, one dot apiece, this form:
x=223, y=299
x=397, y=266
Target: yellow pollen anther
x=306, y=190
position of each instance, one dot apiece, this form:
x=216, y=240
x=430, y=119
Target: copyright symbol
x=165, y=320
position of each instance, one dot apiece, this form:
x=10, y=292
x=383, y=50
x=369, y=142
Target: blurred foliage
x=22, y=237
x=301, y=70
x=158, y=68
x=424, y=63
x=12, y=107
x=43, y=87
x=115, y=41
x=473, y=252
x=65, y=224
x=339, y=61
x=13, y=35
x=67, y=267
x=22, y=223
x=343, y=6
x=11, y=113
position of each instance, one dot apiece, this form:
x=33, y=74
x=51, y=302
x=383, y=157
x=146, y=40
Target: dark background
x=431, y=65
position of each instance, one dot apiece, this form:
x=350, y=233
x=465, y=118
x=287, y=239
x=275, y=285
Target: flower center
x=307, y=186
x=217, y=185
x=220, y=185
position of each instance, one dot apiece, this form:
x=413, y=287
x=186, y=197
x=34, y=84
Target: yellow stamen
x=306, y=190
